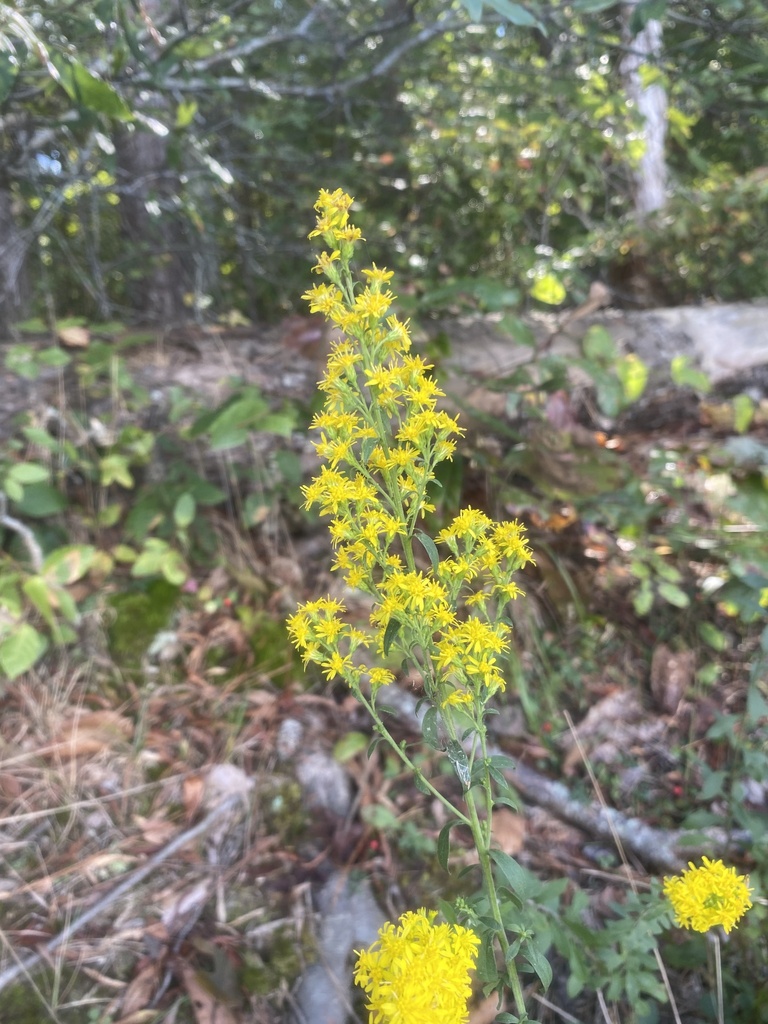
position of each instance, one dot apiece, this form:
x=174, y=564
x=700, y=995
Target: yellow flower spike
x=418, y=972
x=709, y=895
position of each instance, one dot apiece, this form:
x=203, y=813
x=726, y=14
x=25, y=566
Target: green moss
x=271, y=646
x=139, y=615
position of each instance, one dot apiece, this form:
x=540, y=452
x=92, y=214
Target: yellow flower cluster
x=709, y=895
x=418, y=972
x=381, y=437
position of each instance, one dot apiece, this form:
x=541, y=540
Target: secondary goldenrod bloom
x=418, y=972
x=706, y=896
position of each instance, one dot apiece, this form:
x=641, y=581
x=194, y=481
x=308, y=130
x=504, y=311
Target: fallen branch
x=663, y=849
x=31, y=963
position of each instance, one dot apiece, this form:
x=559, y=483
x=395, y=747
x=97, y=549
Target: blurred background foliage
x=158, y=158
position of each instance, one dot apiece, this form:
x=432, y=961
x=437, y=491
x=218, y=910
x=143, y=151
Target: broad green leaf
x=281, y=423
x=40, y=501
x=645, y=11
x=185, y=113
x=20, y=650
x=123, y=553
x=38, y=591
x=518, y=879
x=184, y=510
x=474, y=9
x=68, y=564
x=348, y=746
x=515, y=14
x=598, y=344
x=643, y=599
x=88, y=91
x=115, y=469
x=686, y=375
x=674, y=595
x=633, y=374
x=548, y=289
x=174, y=568
x=743, y=411
x=712, y=636
x=28, y=473
x=592, y=6
x=538, y=962
x=13, y=489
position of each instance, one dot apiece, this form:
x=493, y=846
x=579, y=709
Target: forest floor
x=176, y=791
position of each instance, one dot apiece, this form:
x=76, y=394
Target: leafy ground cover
x=163, y=825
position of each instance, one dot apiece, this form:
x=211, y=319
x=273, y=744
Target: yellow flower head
x=418, y=972
x=705, y=896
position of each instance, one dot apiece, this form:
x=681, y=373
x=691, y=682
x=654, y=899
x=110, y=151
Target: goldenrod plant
x=381, y=437
x=440, y=604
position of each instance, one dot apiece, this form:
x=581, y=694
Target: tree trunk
x=14, y=278
x=150, y=222
x=651, y=103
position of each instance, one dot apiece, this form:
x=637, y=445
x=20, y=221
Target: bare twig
x=28, y=538
x=31, y=963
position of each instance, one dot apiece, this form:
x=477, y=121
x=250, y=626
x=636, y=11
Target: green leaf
x=185, y=113
x=522, y=882
x=184, y=510
x=515, y=14
x=115, y=469
x=687, y=376
x=444, y=843
x=674, y=595
x=474, y=9
x=503, y=763
x=20, y=650
x=38, y=592
x=13, y=489
x=598, y=344
x=429, y=546
x=88, y=91
x=40, y=500
x=377, y=739
x=743, y=411
x=348, y=746
x=548, y=289
x=592, y=6
x=538, y=962
x=643, y=599
x=430, y=728
x=393, y=628
x=633, y=374
x=712, y=636
x=457, y=755
x=68, y=564
x=281, y=423
x=28, y=473
x=645, y=11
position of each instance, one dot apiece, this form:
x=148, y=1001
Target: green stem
x=386, y=735
x=482, y=837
